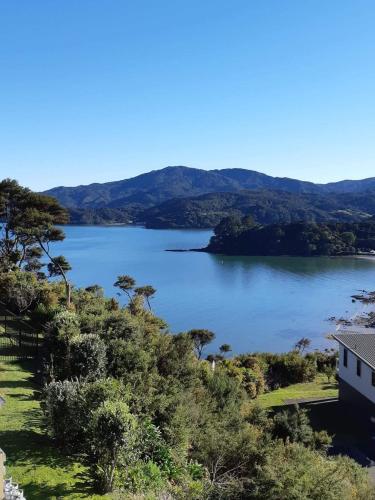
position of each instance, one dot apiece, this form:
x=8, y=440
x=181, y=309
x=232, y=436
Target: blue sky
x=93, y=91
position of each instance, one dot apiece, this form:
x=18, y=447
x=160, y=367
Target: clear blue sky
x=103, y=90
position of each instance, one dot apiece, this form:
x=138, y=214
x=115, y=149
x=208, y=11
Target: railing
x=18, y=339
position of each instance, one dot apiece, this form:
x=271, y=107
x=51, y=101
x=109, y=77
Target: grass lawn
x=320, y=388
x=32, y=459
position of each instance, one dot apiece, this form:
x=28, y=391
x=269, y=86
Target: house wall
x=349, y=375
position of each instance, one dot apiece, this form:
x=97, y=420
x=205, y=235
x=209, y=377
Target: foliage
x=111, y=433
x=201, y=339
x=88, y=357
x=63, y=408
x=249, y=373
x=293, y=425
x=324, y=360
x=302, y=344
x=20, y=291
x=265, y=206
x=28, y=228
x=234, y=236
x=225, y=348
x=281, y=370
x=292, y=471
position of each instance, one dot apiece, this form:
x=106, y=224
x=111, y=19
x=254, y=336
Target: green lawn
x=320, y=388
x=32, y=459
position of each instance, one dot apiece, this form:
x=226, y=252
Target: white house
x=356, y=369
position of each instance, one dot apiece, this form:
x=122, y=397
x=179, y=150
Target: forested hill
x=266, y=207
x=181, y=182
x=188, y=197
x=235, y=236
x=172, y=182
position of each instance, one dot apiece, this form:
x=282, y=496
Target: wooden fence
x=18, y=339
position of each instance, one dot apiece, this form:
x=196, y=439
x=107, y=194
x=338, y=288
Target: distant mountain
x=165, y=198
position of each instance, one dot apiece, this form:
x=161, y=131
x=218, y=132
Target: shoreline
x=368, y=256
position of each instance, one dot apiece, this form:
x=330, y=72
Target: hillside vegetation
x=266, y=207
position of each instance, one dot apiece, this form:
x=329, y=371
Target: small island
x=242, y=236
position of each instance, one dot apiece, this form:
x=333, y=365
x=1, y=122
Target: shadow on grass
x=326, y=387
x=82, y=488
x=38, y=491
x=35, y=490
x=15, y=384
x=22, y=397
x=29, y=447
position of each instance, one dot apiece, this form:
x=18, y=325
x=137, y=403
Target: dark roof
x=361, y=344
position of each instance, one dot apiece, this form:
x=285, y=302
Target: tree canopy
x=236, y=236
x=28, y=229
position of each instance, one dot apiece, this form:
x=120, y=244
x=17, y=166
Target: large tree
x=201, y=338
x=28, y=229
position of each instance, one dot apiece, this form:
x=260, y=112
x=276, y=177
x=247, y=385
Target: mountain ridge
x=157, y=186
x=190, y=197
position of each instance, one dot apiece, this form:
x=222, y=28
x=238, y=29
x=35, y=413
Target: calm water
x=253, y=303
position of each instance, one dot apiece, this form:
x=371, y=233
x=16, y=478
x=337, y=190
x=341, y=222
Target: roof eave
x=354, y=352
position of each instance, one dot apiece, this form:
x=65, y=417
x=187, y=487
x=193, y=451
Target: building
x=356, y=370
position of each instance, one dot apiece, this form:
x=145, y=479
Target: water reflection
x=295, y=265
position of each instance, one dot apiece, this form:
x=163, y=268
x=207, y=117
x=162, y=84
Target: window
x=345, y=357
x=358, y=367
x=373, y=378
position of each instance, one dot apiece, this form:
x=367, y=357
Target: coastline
x=368, y=256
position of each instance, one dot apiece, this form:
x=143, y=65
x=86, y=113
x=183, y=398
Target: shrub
x=65, y=413
x=290, y=368
x=88, y=357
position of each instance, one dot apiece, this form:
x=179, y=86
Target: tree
x=302, y=344
x=201, y=338
x=348, y=237
x=61, y=333
x=28, y=229
x=147, y=292
x=57, y=265
x=225, y=348
x=19, y=290
x=95, y=290
x=126, y=284
x=112, y=440
x=329, y=372
x=293, y=425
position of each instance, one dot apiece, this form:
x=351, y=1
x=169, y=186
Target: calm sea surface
x=253, y=303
